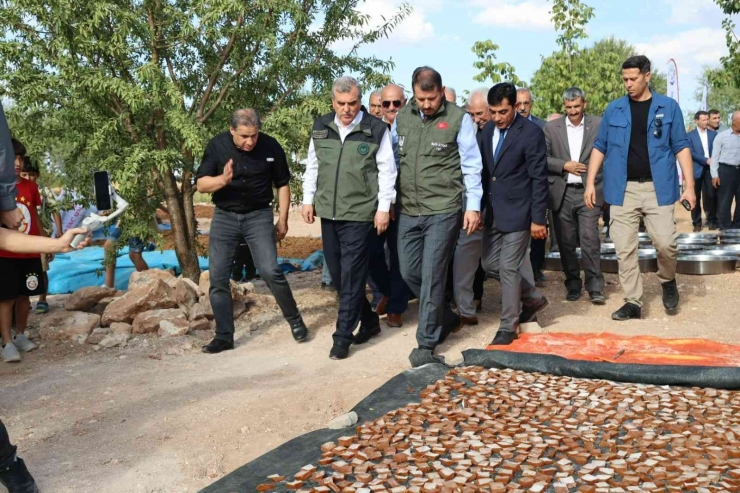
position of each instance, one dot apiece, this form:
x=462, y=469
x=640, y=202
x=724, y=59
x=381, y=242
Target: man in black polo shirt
x=240, y=167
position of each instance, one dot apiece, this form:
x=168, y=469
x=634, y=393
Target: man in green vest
x=438, y=153
x=350, y=183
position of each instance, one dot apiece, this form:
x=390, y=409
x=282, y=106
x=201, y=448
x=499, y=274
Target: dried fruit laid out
x=507, y=431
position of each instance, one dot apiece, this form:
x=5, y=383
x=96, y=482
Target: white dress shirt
x=704, y=141
x=575, y=143
x=384, y=157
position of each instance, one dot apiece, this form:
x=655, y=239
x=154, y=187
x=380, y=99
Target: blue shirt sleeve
x=471, y=163
x=679, y=140
x=603, y=136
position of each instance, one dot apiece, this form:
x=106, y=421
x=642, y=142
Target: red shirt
x=28, y=200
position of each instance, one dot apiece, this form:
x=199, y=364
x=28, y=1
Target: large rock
x=148, y=322
x=98, y=335
x=185, y=294
x=144, y=277
x=120, y=328
x=205, y=302
x=156, y=294
x=85, y=299
x=193, y=285
x=114, y=340
x=61, y=326
x=197, y=312
x=204, y=283
x=173, y=328
x=239, y=291
x=201, y=324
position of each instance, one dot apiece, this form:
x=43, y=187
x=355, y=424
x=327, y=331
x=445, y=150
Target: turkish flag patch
x=442, y=125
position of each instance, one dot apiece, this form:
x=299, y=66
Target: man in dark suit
x=570, y=140
x=515, y=197
x=701, y=143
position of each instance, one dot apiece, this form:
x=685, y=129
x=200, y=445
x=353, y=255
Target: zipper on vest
x=416, y=170
x=336, y=183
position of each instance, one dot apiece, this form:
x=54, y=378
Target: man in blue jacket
x=640, y=138
x=701, y=143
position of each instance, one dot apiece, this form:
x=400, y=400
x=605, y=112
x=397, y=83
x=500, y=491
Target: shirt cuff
x=472, y=204
x=308, y=198
x=384, y=205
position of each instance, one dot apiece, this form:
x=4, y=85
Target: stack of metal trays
x=699, y=236
x=729, y=237
x=700, y=242
x=552, y=261
x=648, y=262
x=724, y=251
x=703, y=265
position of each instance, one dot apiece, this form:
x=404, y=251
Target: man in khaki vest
x=438, y=152
x=349, y=183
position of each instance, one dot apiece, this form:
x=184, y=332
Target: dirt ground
x=160, y=416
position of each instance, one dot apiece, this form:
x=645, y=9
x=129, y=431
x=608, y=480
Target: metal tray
x=647, y=263
x=694, y=247
x=729, y=240
x=735, y=249
x=723, y=253
x=704, y=265
x=697, y=241
x=552, y=262
x=699, y=236
x=730, y=232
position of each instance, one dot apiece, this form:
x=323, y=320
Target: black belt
x=730, y=165
x=641, y=179
x=574, y=185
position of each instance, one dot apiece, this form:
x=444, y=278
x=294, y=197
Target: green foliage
x=570, y=18
x=731, y=62
x=489, y=68
x=724, y=92
x=138, y=88
x=596, y=70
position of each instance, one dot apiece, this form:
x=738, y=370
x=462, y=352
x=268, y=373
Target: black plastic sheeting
x=718, y=377
x=288, y=458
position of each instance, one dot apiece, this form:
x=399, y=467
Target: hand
x=688, y=194
x=575, y=168
x=228, y=173
x=281, y=229
x=589, y=196
x=471, y=221
x=308, y=213
x=539, y=231
x=382, y=219
x=66, y=239
x=708, y=161
x=49, y=257
x=715, y=182
x=12, y=219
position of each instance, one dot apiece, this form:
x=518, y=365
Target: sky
x=441, y=33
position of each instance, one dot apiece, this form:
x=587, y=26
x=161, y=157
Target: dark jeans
x=425, y=245
x=706, y=195
x=606, y=216
x=257, y=228
x=388, y=282
x=243, y=261
x=347, y=252
x=7, y=451
x=729, y=189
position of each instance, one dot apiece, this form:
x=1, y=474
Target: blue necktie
x=502, y=134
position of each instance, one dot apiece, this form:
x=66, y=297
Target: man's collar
x=357, y=120
x=568, y=123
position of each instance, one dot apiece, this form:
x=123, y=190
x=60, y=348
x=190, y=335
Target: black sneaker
x=339, y=351
x=529, y=313
x=366, y=333
x=628, y=311
x=17, y=479
x=670, y=295
x=597, y=298
x=421, y=357
x=573, y=295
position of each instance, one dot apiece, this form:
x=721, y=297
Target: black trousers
x=729, y=190
x=347, y=254
x=706, y=195
x=242, y=262
x=7, y=451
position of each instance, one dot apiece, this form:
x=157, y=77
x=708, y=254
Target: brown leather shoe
x=468, y=320
x=394, y=320
x=382, y=304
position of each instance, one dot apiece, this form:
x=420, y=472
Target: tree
x=489, y=68
x=731, y=62
x=596, y=70
x=723, y=94
x=570, y=18
x=137, y=88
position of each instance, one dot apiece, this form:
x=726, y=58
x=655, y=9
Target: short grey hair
x=453, y=91
x=248, y=117
x=573, y=93
x=479, y=92
x=344, y=85
x=375, y=93
x=525, y=89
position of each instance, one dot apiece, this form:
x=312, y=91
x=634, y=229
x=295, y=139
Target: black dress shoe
x=597, y=298
x=573, y=295
x=504, y=338
x=670, y=295
x=628, y=311
x=366, y=333
x=216, y=346
x=697, y=228
x=300, y=331
x=454, y=324
x=529, y=313
x=420, y=357
x=339, y=351
x=17, y=479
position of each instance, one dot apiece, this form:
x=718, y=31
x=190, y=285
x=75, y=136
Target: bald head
x=478, y=106
x=393, y=99
x=736, y=122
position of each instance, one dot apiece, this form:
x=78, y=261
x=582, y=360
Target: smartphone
x=103, y=200
x=686, y=204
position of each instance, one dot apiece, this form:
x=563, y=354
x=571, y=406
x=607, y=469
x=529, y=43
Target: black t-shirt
x=638, y=158
x=255, y=172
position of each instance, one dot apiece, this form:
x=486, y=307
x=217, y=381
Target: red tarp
x=624, y=349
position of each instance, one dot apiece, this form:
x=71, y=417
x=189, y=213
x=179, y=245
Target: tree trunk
x=185, y=244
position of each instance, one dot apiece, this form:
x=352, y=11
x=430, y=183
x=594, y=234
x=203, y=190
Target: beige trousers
x=640, y=201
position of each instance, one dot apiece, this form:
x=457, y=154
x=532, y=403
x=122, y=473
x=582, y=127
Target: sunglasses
x=396, y=103
x=658, y=128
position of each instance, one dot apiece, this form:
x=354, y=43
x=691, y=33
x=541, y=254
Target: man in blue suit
x=701, y=143
x=515, y=203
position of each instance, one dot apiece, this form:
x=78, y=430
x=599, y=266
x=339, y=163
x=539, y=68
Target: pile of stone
x=156, y=302
x=506, y=431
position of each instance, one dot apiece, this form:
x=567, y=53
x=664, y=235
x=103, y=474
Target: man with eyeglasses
x=375, y=108
x=392, y=99
x=640, y=137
